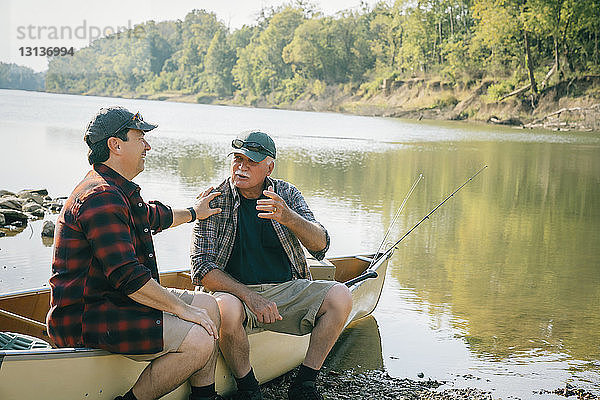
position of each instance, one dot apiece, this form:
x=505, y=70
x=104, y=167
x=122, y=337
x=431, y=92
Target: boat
x=36, y=369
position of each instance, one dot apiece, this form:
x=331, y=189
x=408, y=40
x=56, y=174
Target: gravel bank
x=372, y=385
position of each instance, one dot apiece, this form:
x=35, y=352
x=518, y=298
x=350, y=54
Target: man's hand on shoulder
x=265, y=310
x=202, y=206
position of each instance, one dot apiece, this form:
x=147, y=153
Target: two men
x=105, y=290
x=246, y=249
x=250, y=256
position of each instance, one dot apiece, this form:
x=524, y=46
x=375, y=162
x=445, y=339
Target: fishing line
x=396, y=218
x=395, y=246
x=369, y=273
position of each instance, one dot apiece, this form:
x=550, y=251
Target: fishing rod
x=395, y=245
x=396, y=217
x=369, y=273
x=372, y=274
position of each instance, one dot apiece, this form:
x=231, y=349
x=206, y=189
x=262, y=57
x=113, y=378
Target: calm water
x=499, y=290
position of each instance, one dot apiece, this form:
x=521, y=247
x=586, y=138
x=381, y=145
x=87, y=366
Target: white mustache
x=241, y=174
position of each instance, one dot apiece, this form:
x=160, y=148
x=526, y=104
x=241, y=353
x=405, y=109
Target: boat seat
x=321, y=269
x=19, y=341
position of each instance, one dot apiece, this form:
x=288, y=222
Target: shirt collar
x=112, y=176
x=236, y=194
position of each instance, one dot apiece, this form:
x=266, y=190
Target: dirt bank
x=568, y=105
x=573, y=104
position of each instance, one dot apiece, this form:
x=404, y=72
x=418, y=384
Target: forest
x=295, y=51
x=13, y=76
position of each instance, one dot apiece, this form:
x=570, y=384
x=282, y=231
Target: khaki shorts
x=175, y=329
x=298, y=302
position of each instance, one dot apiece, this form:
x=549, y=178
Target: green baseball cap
x=255, y=145
x=110, y=120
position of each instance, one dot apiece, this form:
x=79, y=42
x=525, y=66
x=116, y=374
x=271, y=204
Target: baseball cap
x=255, y=145
x=110, y=120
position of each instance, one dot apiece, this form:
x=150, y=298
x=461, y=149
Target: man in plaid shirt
x=250, y=255
x=105, y=290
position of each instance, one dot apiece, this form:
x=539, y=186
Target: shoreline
x=562, y=115
x=378, y=384
x=427, y=99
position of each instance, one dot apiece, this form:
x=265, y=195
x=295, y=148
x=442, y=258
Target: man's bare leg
x=206, y=375
x=233, y=340
x=330, y=322
x=195, y=359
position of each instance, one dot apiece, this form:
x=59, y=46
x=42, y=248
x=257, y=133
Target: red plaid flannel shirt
x=103, y=252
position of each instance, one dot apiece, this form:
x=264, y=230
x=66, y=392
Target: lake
x=499, y=289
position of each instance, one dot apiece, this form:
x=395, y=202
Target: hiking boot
x=248, y=394
x=304, y=391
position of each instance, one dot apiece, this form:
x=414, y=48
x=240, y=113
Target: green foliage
x=497, y=90
x=295, y=50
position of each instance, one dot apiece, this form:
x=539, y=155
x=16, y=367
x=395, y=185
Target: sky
x=74, y=23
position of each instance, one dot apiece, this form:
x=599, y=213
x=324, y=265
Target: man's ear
x=114, y=144
x=271, y=167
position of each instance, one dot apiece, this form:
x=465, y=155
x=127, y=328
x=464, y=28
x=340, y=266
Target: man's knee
x=209, y=303
x=338, y=299
x=232, y=311
x=199, y=345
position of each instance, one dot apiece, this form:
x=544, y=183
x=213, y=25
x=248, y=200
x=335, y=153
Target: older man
x=105, y=284
x=250, y=255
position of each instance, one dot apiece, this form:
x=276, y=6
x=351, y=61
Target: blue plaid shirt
x=214, y=237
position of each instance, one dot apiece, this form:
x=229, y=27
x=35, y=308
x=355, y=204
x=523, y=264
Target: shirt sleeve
x=298, y=204
x=160, y=216
x=104, y=219
x=203, y=251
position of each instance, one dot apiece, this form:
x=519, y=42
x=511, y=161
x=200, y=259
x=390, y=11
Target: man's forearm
x=219, y=281
x=181, y=217
x=152, y=294
x=310, y=234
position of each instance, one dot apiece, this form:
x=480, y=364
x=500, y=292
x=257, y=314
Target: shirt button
x=146, y=230
x=158, y=322
x=140, y=204
x=150, y=255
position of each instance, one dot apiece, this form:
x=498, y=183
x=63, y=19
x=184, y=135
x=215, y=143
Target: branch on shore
x=548, y=75
x=516, y=92
x=546, y=120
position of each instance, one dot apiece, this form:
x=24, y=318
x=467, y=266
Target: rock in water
x=13, y=203
x=48, y=229
x=34, y=209
x=2, y=220
x=6, y=193
x=12, y=216
x=29, y=196
x=41, y=192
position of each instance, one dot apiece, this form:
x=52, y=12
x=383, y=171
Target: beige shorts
x=298, y=302
x=175, y=329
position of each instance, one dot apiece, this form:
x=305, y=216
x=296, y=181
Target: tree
x=220, y=59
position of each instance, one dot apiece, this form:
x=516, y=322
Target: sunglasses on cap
x=252, y=146
x=136, y=118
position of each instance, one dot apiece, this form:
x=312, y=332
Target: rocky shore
x=379, y=385
x=17, y=209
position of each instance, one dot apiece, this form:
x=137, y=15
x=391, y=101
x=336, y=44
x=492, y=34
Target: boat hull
x=97, y=374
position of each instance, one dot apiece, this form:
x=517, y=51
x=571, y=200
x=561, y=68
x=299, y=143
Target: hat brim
x=253, y=155
x=141, y=125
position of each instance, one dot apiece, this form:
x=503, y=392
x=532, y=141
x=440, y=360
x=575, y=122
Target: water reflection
x=358, y=347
